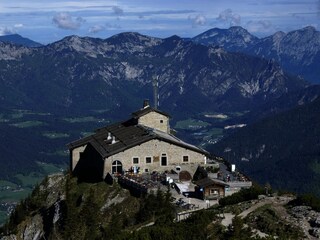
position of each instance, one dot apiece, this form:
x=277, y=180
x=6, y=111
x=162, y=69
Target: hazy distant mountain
x=81, y=74
x=282, y=150
x=233, y=39
x=19, y=40
x=283, y=103
x=298, y=52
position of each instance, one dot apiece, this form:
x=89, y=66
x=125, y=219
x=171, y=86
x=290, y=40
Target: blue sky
x=47, y=21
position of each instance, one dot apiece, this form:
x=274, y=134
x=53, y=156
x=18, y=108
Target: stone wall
x=155, y=149
x=75, y=155
x=155, y=120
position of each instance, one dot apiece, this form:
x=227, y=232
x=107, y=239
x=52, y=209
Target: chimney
x=146, y=103
x=109, y=136
x=113, y=140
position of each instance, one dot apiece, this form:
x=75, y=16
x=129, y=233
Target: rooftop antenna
x=155, y=91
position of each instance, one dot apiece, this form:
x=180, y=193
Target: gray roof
x=127, y=135
x=205, y=182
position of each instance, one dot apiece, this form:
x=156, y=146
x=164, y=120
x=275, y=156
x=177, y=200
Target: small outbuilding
x=210, y=189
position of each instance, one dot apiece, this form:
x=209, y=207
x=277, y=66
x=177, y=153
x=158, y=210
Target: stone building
x=141, y=144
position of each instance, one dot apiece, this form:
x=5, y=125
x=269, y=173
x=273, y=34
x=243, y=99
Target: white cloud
x=261, y=26
x=117, y=10
x=18, y=25
x=6, y=31
x=96, y=29
x=198, y=20
x=230, y=17
x=66, y=21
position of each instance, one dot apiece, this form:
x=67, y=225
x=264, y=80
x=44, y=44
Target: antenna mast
x=155, y=92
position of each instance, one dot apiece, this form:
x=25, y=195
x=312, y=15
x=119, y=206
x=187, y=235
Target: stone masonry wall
x=154, y=149
x=155, y=120
x=76, y=156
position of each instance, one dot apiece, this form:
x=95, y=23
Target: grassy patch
x=59, y=153
x=85, y=134
x=51, y=168
x=17, y=115
x=82, y=119
x=54, y=135
x=191, y=124
x=14, y=195
x=215, y=132
x=216, y=116
x=27, y=124
x=29, y=180
x=315, y=166
x=4, y=184
x=3, y=118
x=100, y=110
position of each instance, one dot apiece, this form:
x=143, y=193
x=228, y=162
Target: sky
x=47, y=21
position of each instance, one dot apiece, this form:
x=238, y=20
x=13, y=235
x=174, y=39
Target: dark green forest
x=87, y=211
x=282, y=150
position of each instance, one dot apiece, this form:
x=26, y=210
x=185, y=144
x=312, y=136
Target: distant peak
x=174, y=38
x=71, y=38
x=237, y=28
x=309, y=28
x=128, y=35
x=19, y=40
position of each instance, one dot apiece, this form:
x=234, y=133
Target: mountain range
x=80, y=74
x=298, y=52
x=19, y=40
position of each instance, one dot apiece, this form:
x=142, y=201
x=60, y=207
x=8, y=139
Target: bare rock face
x=34, y=230
x=315, y=232
x=309, y=218
x=49, y=213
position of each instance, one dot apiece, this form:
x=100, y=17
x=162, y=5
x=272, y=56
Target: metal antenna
x=155, y=91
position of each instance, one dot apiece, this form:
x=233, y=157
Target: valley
x=42, y=150
x=46, y=136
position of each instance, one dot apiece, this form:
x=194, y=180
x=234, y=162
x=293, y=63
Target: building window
x=161, y=121
x=164, y=160
x=135, y=160
x=148, y=159
x=146, y=170
x=185, y=158
x=214, y=191
x=116, y=167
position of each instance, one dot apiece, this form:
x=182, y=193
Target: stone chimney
x=146, y=103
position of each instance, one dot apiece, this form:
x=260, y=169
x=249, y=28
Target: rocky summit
x=62, y=208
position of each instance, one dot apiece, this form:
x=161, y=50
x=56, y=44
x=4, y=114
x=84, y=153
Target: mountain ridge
x=19, y=40
x=184, y=68
x=297, y=51
x=281, y=149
